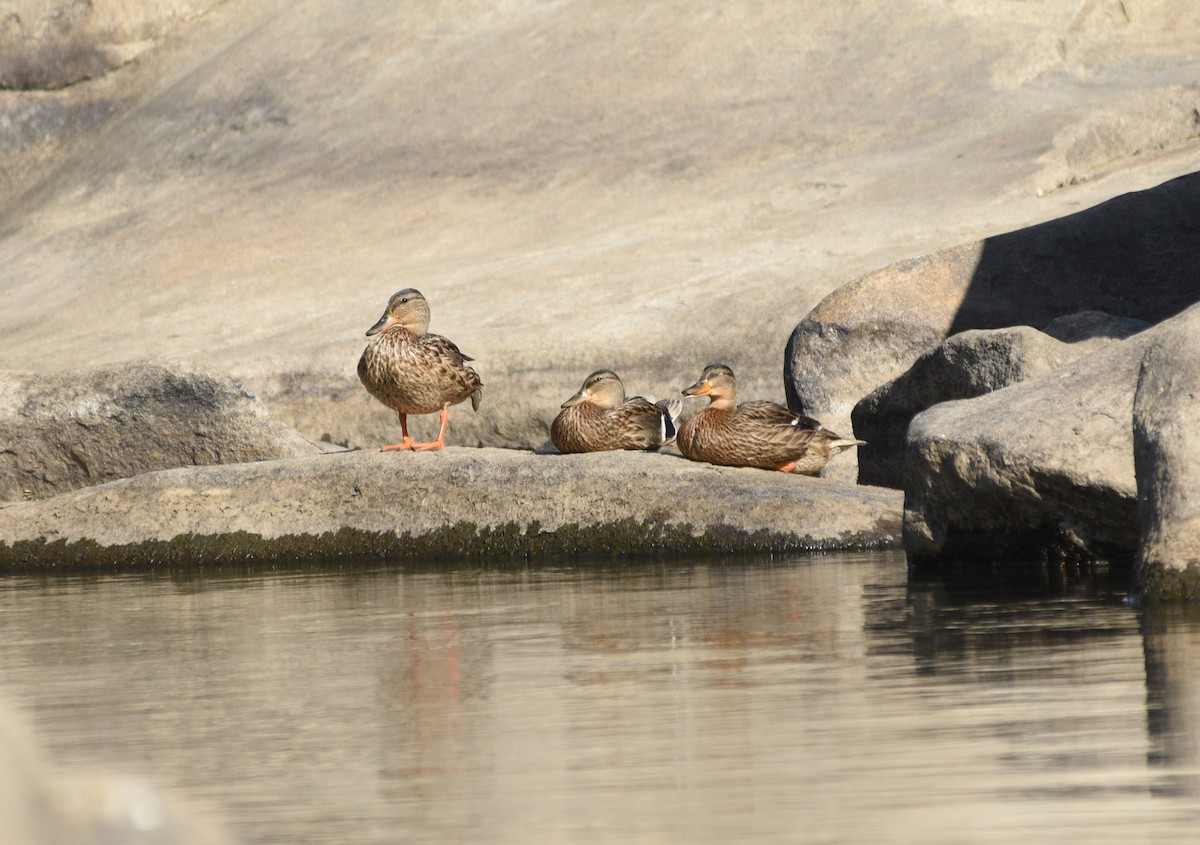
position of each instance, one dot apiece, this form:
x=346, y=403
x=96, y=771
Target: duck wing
x=773, y=437
x=643, y=422
x=774, y=413
x=440, y=347
x=449, y=365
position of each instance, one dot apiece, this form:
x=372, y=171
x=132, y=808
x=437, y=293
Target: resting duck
x=414, y=372
x=754, y=434
x=599, y=418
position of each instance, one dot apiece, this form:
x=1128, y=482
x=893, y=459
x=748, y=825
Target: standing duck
x=754, y=434
x=599, y=418
x=415, y=372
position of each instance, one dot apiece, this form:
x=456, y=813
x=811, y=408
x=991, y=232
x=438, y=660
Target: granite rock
x=572, y=186
x=456, y=503
x=76, y=428
x=1045, y=464
x=1132, y=257
x=966, y=365
x=1166, y=452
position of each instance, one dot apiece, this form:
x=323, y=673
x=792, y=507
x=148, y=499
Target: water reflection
x=826, y=699
x=1171, y=637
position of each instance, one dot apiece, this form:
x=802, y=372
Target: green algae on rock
x=462, y=541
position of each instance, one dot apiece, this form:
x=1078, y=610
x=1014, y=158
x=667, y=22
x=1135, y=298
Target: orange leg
x=406, y=443
x=790, y=466
x=440, y=443
x=409, y=443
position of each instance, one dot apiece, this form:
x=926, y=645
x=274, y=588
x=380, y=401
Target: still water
x=826, y=699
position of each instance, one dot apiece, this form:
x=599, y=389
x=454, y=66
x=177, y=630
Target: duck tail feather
x=671, y=409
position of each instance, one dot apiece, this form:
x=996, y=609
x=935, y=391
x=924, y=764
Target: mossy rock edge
x=1166, y=584
x=460, y=541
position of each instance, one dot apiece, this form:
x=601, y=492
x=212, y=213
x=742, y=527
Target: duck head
x=406, y=308
x=602, y=388
x=718, y=384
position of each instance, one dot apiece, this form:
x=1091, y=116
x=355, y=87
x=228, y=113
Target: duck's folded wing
x=772, y=412
x=443, y=357
x=436, y=345
x=644, y=422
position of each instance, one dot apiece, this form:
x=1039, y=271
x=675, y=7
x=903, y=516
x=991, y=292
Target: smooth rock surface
x=1166, y=452
x=77, y=428
x=61, y=64
x=1043, y=466
x=459, y=502
x=1132, y=257
x=645, y=187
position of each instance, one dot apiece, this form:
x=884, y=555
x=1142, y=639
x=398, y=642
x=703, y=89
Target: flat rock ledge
x=455, y=504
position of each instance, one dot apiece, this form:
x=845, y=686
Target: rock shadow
x=49, y=65
x=1099, y=274
x=1137, y=256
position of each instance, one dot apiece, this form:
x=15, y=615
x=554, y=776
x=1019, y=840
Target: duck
x=760, y=434
x=414, y=372
x=598, y=418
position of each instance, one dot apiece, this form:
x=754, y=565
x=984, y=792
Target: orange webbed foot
x=440, y=443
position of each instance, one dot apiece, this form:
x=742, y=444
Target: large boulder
x=1047, y=467
x=966, y=365
x=572, y=186
x=1040, y=465
x=1133, y=256
x=1166, y=454
x=454, y=503
x=77, y=428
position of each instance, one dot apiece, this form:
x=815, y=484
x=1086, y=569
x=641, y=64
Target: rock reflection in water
x=1171, y=636
x=825, y=699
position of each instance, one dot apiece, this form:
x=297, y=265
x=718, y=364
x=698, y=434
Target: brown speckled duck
x=754, y=434
x=599, y=418
x=415, y=372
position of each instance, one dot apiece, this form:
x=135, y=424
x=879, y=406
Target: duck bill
x=384, y=321
x=576, y=399
x=700, y=388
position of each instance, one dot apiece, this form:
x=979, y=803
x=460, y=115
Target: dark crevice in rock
x=53, y=66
